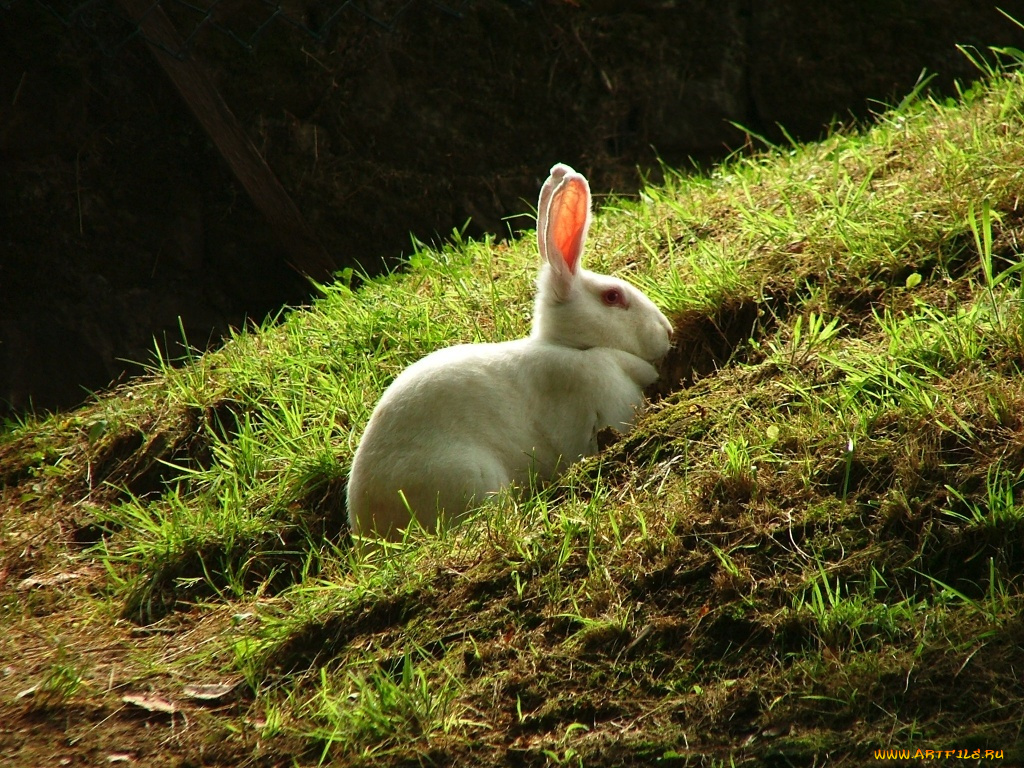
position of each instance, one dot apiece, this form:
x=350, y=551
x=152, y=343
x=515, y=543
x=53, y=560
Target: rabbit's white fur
x=465, y=422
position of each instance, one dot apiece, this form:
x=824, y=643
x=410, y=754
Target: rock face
x=119, y=216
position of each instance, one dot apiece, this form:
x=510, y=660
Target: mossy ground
x=810, y=548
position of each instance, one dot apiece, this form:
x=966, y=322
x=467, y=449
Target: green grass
x=809, y=549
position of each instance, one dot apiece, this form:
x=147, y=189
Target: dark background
x=119, y=215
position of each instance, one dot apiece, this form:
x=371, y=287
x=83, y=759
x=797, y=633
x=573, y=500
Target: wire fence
x=108, y=24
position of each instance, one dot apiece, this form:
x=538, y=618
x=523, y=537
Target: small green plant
x=565, y=755
x=999, y=509
x=805, y=342
x=849, y=615
x=378, y=708
x=981, y=223
x=739, y=461
x=727, y=562
x=1000, y=601
x=60, y=682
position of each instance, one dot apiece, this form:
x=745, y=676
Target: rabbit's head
x=578, y=308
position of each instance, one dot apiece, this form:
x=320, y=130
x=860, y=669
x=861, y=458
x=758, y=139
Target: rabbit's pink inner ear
x=569, y=221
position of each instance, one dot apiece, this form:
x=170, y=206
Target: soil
x=123, y=229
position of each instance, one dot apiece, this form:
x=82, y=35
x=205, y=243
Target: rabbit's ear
x=558, y=171
x=565, y=230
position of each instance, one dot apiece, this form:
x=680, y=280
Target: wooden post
x=305, y=253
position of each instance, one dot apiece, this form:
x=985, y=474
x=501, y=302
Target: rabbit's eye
x=614, y=297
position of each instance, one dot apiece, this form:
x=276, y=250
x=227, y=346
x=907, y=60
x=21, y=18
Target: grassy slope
x=809, y=549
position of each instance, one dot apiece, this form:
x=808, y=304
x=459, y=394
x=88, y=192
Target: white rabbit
x=465, y=422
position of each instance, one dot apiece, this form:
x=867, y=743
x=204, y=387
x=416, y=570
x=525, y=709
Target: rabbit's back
x=467, y=421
